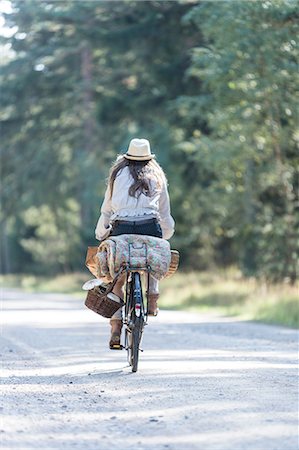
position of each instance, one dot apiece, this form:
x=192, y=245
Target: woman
x=136, y=202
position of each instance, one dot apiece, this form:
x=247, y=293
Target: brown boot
x=152, y=304
x=116, y=327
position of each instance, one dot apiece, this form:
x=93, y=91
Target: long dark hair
x=141, y=171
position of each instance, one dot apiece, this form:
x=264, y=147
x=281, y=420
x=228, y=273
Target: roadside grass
x=70, y=283
x=229, y=294
x=222, y=292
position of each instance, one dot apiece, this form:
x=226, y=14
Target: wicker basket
x=101, y=304
x=174, y=263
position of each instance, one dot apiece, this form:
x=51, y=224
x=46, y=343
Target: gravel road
x=204, y=382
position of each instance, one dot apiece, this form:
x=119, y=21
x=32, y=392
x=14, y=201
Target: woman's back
x=137, y=190
x=125, y=205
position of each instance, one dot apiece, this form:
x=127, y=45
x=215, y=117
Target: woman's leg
x=153, y=295
x=118, y=287
x=116, y=327
x=116, y=320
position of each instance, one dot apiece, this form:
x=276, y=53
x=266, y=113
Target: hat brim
x=139, y=158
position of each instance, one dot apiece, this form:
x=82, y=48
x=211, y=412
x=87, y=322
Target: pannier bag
x=174, y=263
x=91, y=260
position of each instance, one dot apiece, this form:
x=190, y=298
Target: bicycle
x=136, y=313
x=136, y=309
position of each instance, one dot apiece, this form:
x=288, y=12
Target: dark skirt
x=149, y=227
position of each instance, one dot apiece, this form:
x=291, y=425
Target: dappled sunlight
x=212, y=86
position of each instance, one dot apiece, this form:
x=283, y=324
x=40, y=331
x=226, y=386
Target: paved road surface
x=204, y=382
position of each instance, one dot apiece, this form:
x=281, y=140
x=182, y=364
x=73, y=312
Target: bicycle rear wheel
x=135, y=320
x=136, y=338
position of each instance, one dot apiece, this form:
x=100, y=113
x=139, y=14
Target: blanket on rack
x=135, y=250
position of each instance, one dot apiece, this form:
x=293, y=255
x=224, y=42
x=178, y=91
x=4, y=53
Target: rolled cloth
x=136, y=250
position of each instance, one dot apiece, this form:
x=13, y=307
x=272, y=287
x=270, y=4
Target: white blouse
x=121, y=206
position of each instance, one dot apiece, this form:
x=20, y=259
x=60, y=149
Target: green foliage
x=211, y=84
x=52, y=235
x=247, y=67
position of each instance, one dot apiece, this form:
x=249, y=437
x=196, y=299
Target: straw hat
x=139, y=150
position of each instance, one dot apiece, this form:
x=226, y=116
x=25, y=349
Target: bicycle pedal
x=116, y=347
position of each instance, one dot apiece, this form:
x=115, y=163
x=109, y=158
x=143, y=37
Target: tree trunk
x=249, y=246
x=5, y=255
x=89, y=132
x=289, y=194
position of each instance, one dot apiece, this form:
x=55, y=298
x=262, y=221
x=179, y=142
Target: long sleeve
x=166, y=220
x=103, y=225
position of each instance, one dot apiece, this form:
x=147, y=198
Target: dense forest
x=211, y=84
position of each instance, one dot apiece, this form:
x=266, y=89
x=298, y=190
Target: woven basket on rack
x=101, y=304
x=174, y=263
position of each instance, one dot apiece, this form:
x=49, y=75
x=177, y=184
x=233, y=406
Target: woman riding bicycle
x=136, y=202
